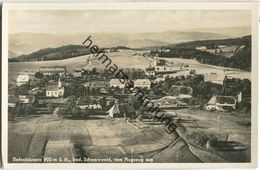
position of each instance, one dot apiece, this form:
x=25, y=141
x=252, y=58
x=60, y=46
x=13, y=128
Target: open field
x=235, y=139
x=99, y=137
x=206, y=69
x=124, y=59
x=49, y=137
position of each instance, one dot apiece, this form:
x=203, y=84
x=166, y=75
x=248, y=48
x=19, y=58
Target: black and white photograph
x=119, y=84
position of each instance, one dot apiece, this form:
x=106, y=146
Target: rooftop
x=87, y=100
x=222, y=100
x=23, y=78
x=214, y=77
x=150, y=68
x=115, y=81
x=142, y=82
x=51, y=87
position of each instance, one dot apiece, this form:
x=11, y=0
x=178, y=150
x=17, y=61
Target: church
x=55, y=90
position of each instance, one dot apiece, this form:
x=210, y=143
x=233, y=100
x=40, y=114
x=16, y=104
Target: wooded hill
x=59, y=53
x=241, y=58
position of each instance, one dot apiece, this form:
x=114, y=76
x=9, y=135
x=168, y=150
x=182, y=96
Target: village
x=91, y=94
x=90, y=90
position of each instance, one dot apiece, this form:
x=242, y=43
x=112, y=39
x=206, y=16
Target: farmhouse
x=150, y=71
x=23, y=79
x=215, y=77
x=143, y=83
x=55, y=90
x=159, y=79
x=221, y=103
x=170, y=102
x=26, y=99
x=97, y=84
x=77, y=73
x=116, y=83
x=88, y=103
x=51, y=70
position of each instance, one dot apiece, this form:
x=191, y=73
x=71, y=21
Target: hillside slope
x=240, y=58
x=59, y=53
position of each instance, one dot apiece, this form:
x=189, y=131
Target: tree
x=39, y=75
x=22, y=90
x=103, y=102
x=27, y=109
x=93, y=71
x=50, y=107
x=76, y=111
x=18, y=110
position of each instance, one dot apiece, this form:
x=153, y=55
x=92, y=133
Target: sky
x=67, y=21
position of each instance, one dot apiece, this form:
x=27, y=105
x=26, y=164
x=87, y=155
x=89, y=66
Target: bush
x=244, y=123
x=200, y=139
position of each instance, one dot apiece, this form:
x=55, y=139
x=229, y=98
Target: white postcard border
x=253, y=6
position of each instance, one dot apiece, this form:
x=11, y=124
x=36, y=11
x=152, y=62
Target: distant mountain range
x=241, y=59
x=26, y=43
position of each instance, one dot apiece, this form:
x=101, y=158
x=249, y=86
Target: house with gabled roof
x=221, y=103
x=116, y=83
x=23, y=79
x=142, y=83
x=88, y=103
x=150, y=71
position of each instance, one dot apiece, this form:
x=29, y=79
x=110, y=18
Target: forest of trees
x=241, y=59
x=59, y=53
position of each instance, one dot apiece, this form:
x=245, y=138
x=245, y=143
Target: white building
x=143, y=83
x=26, y=99
x=201, y=48
x=23, y=79
x=77, y=73
x=116, y=83
x=150, y=71
x=221, y=103
x=54, y=90
x=87, y=103
x=215, y=77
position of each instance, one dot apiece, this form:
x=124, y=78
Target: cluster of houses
x=23, y=99
x=162, y=66
x=141, y=83
x=174, y=97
